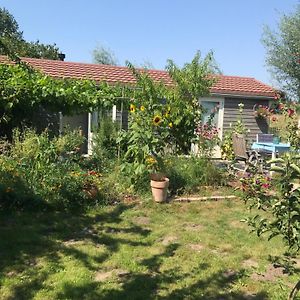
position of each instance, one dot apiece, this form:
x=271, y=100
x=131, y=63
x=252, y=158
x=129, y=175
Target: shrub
x=105, y=147
x=38, y=170
x=187, y=174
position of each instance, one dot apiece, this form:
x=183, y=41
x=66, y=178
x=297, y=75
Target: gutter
x=243, y=96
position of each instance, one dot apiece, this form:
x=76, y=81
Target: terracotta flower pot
x=160, y=189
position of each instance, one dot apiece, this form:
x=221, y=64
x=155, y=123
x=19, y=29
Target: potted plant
x=261, y=111
x=159, y=187
x=159, y=182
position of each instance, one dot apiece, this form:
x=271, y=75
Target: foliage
x=104, y=56
x=38, y=171
x=188, y=174
x=281, y=204
x=283, y=52
x=12, y=40
x=261, y=111
x=105, y=146
x=238, y=127
x=285, y=123
x=149, y=128
x=207, y=136
x=164, y=119
x=23, y=90
x=191, y=82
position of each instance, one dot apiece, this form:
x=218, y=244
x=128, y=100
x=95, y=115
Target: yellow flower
x=170, y=124
x=151, y=160
x=132, y=108
x=142, y=108
x=157, y=120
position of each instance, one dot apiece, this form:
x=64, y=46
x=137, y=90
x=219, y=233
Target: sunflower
x=157, y=120
x=142, y=108
x=132, y=108
x=170, y=124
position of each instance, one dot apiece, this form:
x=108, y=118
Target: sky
x=152, y=31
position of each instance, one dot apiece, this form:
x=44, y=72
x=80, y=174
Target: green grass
x=138, y=251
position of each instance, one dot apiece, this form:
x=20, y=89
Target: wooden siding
x=231, y=113
x=122, y=116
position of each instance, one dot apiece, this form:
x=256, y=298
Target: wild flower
x=261, y=111
x=132, y=108
x=157, y=120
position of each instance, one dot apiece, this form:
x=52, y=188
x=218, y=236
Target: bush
x=37, y=170
x=187, y=174
x=105, y=147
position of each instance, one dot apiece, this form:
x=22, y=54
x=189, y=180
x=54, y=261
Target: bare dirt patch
x=196, y=247
x=225, y=248
x=229, y=274
x=11, y=274
x=250, y=263
x=219, y=252
x=193, y=227
x=238, y=224
x=272, y=274
x=72, y=242
x=168, y=240
x=105, y=275
x=142, y=220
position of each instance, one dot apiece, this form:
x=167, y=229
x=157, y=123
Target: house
x=226, y=94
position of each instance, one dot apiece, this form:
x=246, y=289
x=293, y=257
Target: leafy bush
x=37, y=170
x=105, y=145
x=187, y=174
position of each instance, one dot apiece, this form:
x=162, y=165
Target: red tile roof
x=225, y=85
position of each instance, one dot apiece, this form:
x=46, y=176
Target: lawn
x=139, y=250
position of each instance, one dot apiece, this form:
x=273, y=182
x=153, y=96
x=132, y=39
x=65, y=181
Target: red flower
x=266, y=185
x=290, y=112
x=92, y=173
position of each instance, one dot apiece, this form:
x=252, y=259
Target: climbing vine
x=23, y=89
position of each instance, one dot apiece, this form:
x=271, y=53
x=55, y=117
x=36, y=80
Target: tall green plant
x=164, y=118
x=282, y=206
x=105, y=145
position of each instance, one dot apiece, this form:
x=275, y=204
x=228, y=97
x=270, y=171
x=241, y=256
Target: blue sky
x=156, y=30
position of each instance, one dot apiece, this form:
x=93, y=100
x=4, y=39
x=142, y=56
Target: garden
x=76, y=227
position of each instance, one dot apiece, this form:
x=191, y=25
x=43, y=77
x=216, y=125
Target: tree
x=12, y=41
x=104, y=56
x=283, y=52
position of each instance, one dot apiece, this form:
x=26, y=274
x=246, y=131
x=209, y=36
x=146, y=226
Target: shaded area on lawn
x=26, y=239
x=147, y=285
x=33, y=247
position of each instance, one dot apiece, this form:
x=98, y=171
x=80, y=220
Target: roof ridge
x=119, y=67
x=85, y=64
x=233, y=76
